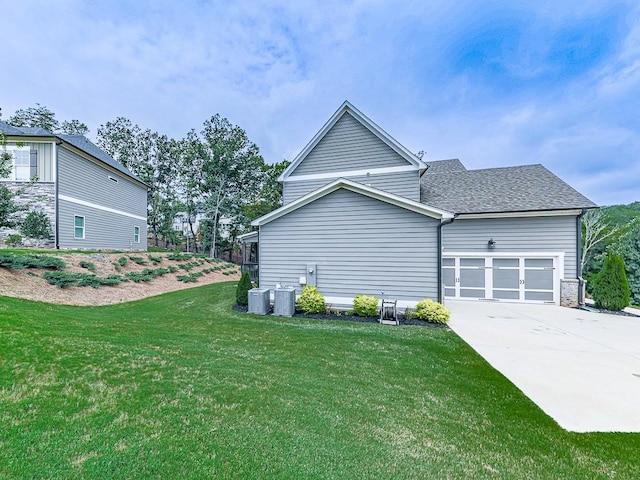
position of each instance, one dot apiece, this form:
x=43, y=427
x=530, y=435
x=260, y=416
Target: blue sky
x=492, y=83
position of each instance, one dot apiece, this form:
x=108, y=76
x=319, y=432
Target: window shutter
x=33, y=163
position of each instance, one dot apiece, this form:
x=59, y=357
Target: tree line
x=215, y=172
x=612, y=231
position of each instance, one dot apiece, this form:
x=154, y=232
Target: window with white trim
x=136, y=234
x=78, y=227
x=20, y=163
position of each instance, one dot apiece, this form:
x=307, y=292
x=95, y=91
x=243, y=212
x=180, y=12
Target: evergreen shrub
x=242, y=290
x=611, y=287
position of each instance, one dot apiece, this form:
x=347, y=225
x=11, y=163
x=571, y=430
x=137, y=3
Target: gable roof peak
x=348, y=107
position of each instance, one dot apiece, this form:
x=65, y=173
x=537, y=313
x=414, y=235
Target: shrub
x=611, y=287
x=155, y=260
x=138, y=260
x=37, y=225
x=177, y=256
x=365, y=305
x=68, y=279
x=13, y=240
x=311, y=300
x=190, y=278
x=14, y=261
x=432, y=311
x=122, y=261
x=242, y=290
x=88, y=265
x=408, y=314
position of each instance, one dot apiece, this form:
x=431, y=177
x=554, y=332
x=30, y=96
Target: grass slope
x=180, y=386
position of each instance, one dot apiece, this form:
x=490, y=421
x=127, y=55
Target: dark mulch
x=622, y=313
x=354, y=318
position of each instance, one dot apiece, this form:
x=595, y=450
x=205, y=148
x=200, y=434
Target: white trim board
x=355, y=187
x=100, y=207
x=528, y=213
x=350, y=173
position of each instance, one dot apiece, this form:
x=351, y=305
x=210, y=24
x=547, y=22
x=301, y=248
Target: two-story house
x=362, y=214
x=93, y=202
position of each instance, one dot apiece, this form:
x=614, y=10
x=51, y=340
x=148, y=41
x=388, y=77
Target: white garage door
x=506, y=278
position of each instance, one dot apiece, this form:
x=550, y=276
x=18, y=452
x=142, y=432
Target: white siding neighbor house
x=362, y=214
x=93, y=202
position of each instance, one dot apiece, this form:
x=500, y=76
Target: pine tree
x=611, y=287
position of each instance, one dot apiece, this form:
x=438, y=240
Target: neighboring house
x=181, y=224
x=362, y=214
x=93, y=201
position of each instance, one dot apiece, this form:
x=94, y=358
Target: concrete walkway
x=581, y=368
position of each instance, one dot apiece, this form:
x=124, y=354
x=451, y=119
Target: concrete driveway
x=581, y=368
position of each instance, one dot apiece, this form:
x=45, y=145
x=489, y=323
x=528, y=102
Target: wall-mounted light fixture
x=491, y=243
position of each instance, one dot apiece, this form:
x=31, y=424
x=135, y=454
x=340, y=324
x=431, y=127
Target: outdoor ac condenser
x=284, y=303
x=259, y=301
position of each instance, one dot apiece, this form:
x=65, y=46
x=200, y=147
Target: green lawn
x=180, y=386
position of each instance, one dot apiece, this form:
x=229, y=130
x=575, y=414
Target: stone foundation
x=569, y=292
x=40, y=196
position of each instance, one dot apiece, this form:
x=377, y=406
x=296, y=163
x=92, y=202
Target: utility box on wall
x=311, y=274
x=259, y=301
x=284, y=301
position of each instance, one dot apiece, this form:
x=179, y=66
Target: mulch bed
x=622, y=313
x=354, y=318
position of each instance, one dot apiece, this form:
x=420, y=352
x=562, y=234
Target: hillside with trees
x=618, y=231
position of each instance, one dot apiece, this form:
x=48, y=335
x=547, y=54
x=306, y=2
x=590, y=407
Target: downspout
x=56, y=188
x=440, y=225
x=579, y=257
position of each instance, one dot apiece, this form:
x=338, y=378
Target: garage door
x=514, y=279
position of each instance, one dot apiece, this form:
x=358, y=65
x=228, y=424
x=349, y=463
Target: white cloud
x=279, y=69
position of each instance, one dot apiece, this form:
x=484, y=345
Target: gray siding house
x=93, y=202
x=362, y=214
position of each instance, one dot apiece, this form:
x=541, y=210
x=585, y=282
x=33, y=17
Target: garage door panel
x=538, y=279
x=538, y=262
x=472, y=293
x=472, y=277
x=506, y=294
x=503, y=278
x=506, y=263
x=538, y=296
x=449, y=276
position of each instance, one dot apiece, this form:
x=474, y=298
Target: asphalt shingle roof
x=444, y=166
x=78, y=141
x=84, y=144
x=506, y=189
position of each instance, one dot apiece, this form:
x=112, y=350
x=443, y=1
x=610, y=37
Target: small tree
x=611, y=287
x=242, y=290
x=37, y=225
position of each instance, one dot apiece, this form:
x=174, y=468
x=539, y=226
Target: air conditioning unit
x=284, y=302
x=259, y=301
